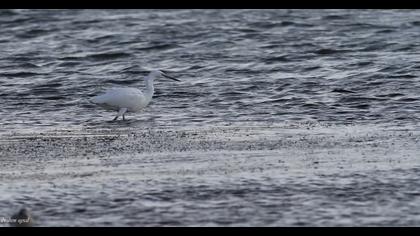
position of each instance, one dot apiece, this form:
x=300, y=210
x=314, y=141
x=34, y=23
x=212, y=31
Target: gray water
x=281, y=118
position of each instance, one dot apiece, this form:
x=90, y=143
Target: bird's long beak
x=169, y=77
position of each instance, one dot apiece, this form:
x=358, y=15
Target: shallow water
x=282, y=118
x=340, y=66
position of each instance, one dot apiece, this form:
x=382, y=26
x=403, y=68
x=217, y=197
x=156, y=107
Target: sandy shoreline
x=87, y=174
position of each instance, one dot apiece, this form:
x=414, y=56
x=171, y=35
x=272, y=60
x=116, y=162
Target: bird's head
x=158, y=73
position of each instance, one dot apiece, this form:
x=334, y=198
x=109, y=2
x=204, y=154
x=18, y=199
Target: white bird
x=129, y=99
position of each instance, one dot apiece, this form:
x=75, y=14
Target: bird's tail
x=98, y=99
x=93, y=100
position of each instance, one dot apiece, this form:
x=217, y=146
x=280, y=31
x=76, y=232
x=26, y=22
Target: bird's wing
x=119, y=97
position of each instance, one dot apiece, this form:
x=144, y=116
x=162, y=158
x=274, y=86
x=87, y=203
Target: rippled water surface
x=281, y=118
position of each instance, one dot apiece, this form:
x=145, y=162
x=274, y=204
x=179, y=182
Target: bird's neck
x=149, y=87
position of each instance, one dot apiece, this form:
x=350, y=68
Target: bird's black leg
x=121, y=113
x=116, y=117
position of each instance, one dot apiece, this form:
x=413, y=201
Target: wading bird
x=129, y=99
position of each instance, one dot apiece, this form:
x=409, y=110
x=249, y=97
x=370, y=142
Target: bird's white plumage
x=116, y=98
x=128, y=99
